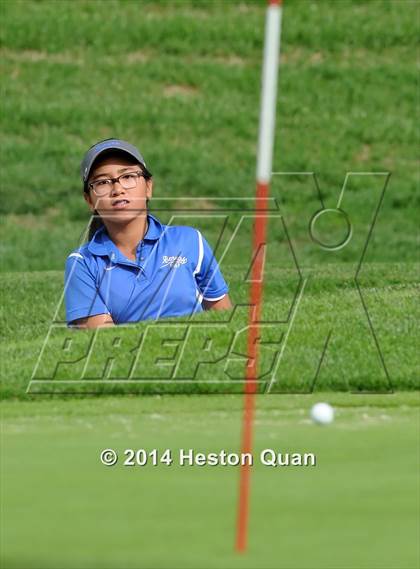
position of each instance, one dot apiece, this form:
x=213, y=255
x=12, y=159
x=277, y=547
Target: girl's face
x=115, y=203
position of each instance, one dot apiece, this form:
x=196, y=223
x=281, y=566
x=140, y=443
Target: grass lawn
x=357, y=508
x=330, y=303
x=63, y=509
x=182, y=81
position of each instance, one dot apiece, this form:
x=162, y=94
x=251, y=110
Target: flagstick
x=264, y=169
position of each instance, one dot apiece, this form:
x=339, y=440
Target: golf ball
x=322, y=413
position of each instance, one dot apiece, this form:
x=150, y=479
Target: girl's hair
x=95, y=220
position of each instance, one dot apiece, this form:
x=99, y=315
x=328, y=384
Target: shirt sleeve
x=82, y=297
x=208, y=276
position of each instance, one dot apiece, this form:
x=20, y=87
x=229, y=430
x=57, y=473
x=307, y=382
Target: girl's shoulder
x=81, y=252
x=184, y=236
x=81, y=259
x=180, y=230
x=89, y=251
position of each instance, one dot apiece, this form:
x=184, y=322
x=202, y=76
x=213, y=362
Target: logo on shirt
x=173, y=261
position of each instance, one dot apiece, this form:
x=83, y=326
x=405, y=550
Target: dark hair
x=95, y=220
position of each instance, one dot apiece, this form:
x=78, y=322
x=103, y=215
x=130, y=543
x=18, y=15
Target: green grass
x=330, y=302
x=356, y=509
x=182, y=80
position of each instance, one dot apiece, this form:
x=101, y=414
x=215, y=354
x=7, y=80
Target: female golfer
x=133, y=267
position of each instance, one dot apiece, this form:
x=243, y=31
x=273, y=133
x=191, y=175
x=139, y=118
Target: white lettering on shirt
x=173, y=261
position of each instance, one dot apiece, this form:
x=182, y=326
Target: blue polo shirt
x=174, y=270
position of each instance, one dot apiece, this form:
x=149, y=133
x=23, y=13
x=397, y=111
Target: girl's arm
x=97, y=321
x=222, y=304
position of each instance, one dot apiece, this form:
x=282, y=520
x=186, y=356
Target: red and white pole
x=264, y=169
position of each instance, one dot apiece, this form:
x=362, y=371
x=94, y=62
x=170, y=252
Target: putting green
x=356, y=508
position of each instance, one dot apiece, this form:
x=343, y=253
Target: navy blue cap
x=102, y=146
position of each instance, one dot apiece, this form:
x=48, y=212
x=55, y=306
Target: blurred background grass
x=182, y=81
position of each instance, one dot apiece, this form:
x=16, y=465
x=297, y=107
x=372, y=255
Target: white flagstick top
x=269, y=92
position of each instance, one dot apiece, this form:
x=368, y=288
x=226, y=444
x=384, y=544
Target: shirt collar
x=155, y=229
x=102, y=244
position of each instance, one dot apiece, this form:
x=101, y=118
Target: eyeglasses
x=128, y=181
